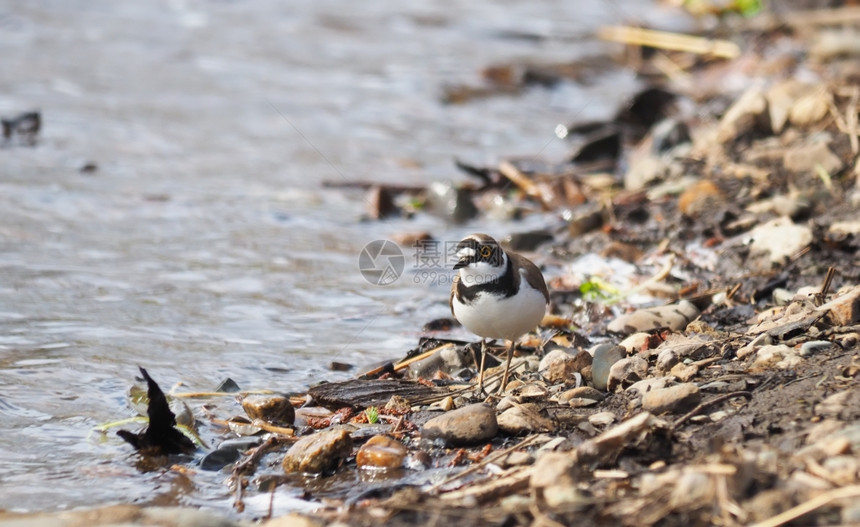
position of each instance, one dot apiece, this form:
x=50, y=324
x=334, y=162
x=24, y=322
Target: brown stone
x=321, y=452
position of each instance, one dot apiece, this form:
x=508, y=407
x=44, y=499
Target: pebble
x=447, y=360
x=524, y=419
x=778, y=239
x=604, y=356
x=585, y=392
x=683, y=372
x=646, y=385
x=464, y=426
x=762, y=340
x=814, y=346
x=747, y=113
x=602, y=418
x=626, y=371
x=778, y=355
x=552, y=480
x=672, y=316
x=275, y=409
x=228, y=452
x=635, y=342
x=674, y=399
x=558, y=366
x=666, y=359
x=381, y=453
x=321, y=452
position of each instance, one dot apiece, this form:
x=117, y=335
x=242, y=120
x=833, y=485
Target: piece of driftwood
x=362, y=393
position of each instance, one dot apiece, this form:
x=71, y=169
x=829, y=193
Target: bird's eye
x=486, y=251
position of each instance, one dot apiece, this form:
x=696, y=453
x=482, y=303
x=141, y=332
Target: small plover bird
x=496, y=294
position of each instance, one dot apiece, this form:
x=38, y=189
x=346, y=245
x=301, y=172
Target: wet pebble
x=464, y=426
x=228, y=452
x=626, y=371
x=275, y=409
x=524, y=419
x=673, y=316
x=604, y=356
x=381, y=452
x=559, y=365
x=321, y=452
x=678, y=398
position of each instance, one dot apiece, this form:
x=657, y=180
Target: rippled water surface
x=203, y=246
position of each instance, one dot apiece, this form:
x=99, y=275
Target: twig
x=808, y=506
x=720, y=398
x=671, y=41
x=507, y=169
x=405, y=364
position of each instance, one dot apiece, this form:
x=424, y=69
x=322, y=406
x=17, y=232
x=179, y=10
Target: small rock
x=778, y=355
x=275, y=409
x=807, y=158
x=227, y=452
x=678, y=398
x=810, y=108
x=702, y=197
x=635, y=342
x=683, y=372
x=451, y=202
x=673, y=316
x=814, y=346
x=839, y=404
x=601, y=418
x=646, y=385
x=748, y=113
x=626, y=371
x=762, y=340
x=586, y=392
x=524, y=419
x=558, y=366
x=552, y=480
x=666, y=359
x=448, y=359
x=381, y=452
x=778, y=239
x=318, y=453
x=604, y=356
x=844, y=308
x=464, y=426
x=580, y=402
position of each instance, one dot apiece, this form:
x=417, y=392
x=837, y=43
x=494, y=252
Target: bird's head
x=480, y=251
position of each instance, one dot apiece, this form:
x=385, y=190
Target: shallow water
x=203, y=246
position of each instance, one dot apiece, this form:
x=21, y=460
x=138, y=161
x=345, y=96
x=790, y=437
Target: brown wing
x=533, y=275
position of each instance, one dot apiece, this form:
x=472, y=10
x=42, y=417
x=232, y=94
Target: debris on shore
x=716, y=382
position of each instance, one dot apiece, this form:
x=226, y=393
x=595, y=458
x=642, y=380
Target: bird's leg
x=507, y=367
x=481, y=370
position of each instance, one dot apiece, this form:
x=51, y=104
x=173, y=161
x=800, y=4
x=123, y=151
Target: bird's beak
x=464, y=262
